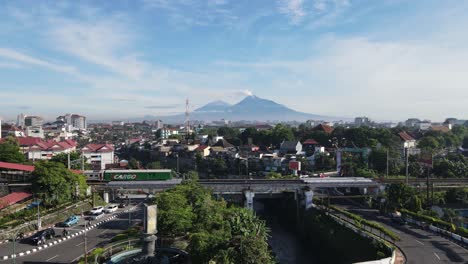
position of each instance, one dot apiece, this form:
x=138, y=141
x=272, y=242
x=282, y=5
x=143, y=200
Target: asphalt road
x=71, y=250
x=420, y=246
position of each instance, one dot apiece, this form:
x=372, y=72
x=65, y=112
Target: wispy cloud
x=27, y=59
x=294, y=9
x=10, y=65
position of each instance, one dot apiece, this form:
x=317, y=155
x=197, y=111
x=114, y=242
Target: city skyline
x=389, y=60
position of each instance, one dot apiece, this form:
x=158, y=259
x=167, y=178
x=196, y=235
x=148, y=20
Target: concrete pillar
x=106, y=197
x=249, y=195
x=308, y=197
x=150, y=229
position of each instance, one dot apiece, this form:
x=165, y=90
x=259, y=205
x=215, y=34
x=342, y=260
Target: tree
x=399, y=195
x=133, y=164
x=428, y=142
x=10, y=151
x=75, y=160
x=55, y=184
x=175, y=214
x=154, y=165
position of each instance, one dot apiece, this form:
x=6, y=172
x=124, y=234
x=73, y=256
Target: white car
x=97, y=216
x=96, y=210
x=110, y=208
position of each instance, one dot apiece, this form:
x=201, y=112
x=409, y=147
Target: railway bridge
x=303, y=189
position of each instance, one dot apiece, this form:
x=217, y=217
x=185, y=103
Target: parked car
x=122, y=205
x=33, y=205
x=40, y=237
x=96, y=210
x=72, y=220
x=110, y=209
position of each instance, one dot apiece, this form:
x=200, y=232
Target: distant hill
x=251, y=108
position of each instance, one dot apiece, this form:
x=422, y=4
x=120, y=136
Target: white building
x=33, y=131
x=34, y=121
x=166, y=132
x=99, y=155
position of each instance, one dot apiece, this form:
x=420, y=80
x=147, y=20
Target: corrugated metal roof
x=15, y=166
x=13, y=198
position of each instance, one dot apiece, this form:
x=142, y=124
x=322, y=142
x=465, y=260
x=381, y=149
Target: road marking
x=79, y=244
x=419, y=242
x=105, y=230
x=437, y=255
x=52, y=258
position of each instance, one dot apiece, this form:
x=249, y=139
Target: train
x=129, y=175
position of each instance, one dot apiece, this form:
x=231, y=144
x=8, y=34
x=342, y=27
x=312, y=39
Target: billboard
x=295, y=165
x=426, y=158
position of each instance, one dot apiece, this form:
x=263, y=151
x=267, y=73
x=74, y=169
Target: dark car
x=40, y=237
x=399, y=220
x=122, y=205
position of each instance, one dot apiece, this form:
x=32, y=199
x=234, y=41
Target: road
x=420, y=246
x=71, y=250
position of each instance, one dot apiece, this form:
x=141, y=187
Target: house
x=167, y=132
x=311, y=147
x=223, y=144
x=443, y=129
x=408, y=143
x=291, y=147
x=36, y=148
x=203, y=150
x=323, y=127
x=99, y=155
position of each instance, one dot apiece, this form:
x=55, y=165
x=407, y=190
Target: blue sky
x=387, y=59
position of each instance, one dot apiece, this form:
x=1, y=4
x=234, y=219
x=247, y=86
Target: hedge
x=437, y=222
x=359, y=221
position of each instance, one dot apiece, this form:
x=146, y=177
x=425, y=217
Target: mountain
x=215, y=106
x=251, y=108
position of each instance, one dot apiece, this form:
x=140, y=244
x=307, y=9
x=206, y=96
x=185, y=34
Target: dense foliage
x=334, y=243
x=216, y=232
x=55, y=184
x=10, y=151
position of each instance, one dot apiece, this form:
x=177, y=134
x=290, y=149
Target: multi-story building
x=158, y=124
x=412, y=122
x=73, y=121
x=20, y=120
x=166, y=132
x=34, y=121
x=99, y=155
x=78, y=121
x=362, y=121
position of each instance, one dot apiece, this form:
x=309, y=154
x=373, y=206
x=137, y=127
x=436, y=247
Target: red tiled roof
x=325, y=128
x=310, y=142
x=98, y=148
x=203, y=147
x=28, y=141
x=15, y=166
x=13, y=198
x=405, y=136
x=442, y=129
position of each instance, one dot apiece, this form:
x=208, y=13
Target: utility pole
x=82, y=161
x=407, y=174
x=68, y=159
x=38, y=214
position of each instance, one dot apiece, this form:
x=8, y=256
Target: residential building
x=78, y=122
x=34, y=121
x=323, y=127
x=158, y=124
x=166, y=132
x=11, y=130
x=117, y=123
x=35, y=148
x=412, y=122
x=424, y=125
x=99, y=155
x=291, y=147
x=408, y=144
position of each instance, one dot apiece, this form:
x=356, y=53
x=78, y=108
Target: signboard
x=295, y=165
x=426, y=158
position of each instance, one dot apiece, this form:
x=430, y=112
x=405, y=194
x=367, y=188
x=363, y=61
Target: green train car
x=137, y=175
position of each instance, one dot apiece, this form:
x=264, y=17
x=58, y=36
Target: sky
x=385, y=59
